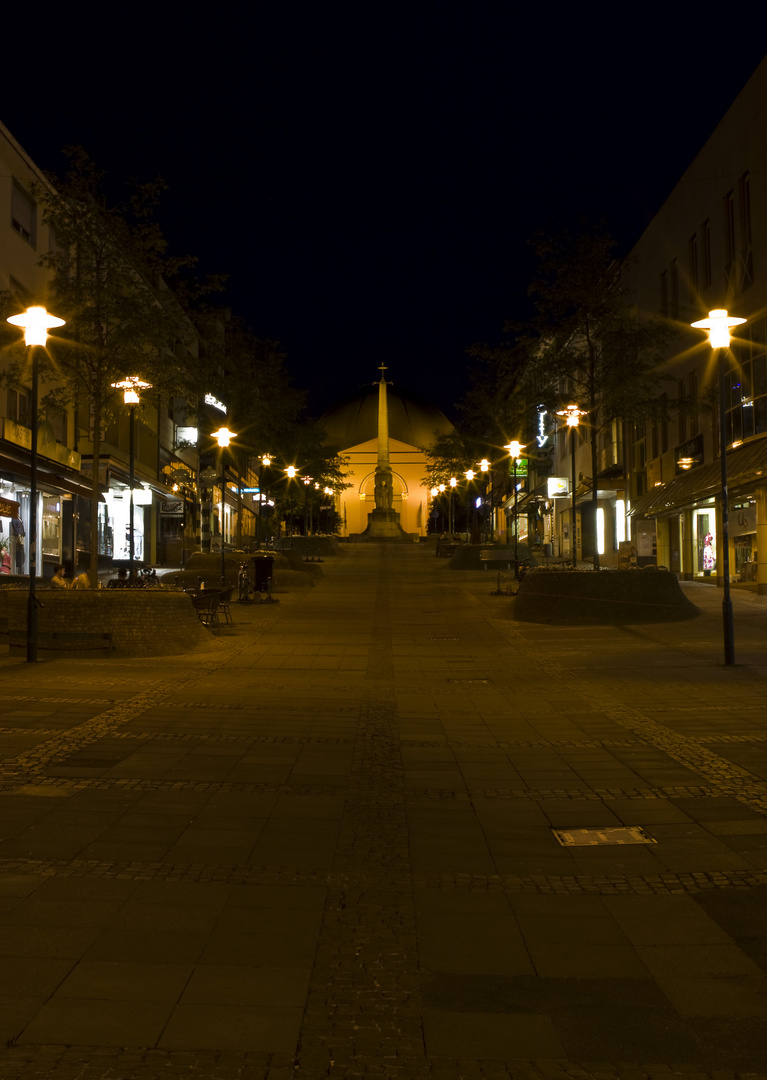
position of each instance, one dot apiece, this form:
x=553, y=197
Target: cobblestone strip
x=728, y=778
x=361, y=885
x=363, y=1012
x=468, y=794
x=112, y=1063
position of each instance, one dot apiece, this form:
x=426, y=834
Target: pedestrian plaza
x=380, y=829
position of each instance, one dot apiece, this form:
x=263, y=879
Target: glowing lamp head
x=441, y=488
x=223, y=436
x=266, y=461
x=484, y=465
x=572, y=415
x=434, y=492
x=718, y=325
x=291, y=471
x=515, y=448
x=131, y=387
x=36, y=322
x=453, y=481
x=469, y=474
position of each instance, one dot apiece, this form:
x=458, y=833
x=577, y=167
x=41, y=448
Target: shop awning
x=745, y=465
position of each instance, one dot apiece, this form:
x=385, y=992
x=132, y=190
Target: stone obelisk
x=383, y=522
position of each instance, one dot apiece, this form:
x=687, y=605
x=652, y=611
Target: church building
x=354, y=426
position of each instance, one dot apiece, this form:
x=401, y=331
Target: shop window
x=51, y=538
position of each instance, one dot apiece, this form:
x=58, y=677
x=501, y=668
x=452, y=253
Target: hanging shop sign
x=172, y=506
x=557, y=485
x=521, y=467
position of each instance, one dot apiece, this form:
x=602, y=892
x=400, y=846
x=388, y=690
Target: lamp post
x=484, y=468
x=223, y=437
x=264, y=463
x=130, y=388
x=718, y=325
x=515, y=449
x=290, y=472
x=469, y=474
x=573, y=416
x=36, y=322
x=451, y=519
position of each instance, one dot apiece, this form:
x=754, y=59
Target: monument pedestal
x=384, y=525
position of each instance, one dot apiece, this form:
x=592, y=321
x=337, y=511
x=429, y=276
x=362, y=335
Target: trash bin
x=263, y=566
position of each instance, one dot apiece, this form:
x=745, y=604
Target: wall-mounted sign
x=172, y=506
x=210, y=400
x=542, y=437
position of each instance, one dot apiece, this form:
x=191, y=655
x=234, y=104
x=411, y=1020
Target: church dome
x=411, y=419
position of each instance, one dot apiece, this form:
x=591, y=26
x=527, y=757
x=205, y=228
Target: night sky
x=369, y=177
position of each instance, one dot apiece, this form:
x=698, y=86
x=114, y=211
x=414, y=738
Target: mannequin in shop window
x=708, y=555
x=17, y=537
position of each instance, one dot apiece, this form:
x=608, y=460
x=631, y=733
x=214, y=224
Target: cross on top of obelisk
x=382, y=369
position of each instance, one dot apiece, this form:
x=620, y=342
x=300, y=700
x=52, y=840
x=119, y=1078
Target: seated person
x=121, y=581
x=58, y=581
x=81, y=581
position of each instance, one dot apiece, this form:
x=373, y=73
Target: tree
x=110, y=275
x=592, y=347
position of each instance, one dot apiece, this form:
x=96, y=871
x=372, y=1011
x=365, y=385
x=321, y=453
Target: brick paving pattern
x=324, y=847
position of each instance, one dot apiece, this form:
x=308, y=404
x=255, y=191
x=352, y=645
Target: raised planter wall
x=142, y=622
x=605, y=596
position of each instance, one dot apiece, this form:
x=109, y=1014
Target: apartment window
x=746, y=255
x=19, y=406
x=692, y=257
x=730, y=266
x=57, y=418
x=664, y=294
x=705, y=254
x=23, y=213
x=673, y=290
x=681, y=413
x=692, y=393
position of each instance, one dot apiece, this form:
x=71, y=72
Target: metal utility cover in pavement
x=621, y=834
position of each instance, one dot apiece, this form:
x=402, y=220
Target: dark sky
x=369, y=177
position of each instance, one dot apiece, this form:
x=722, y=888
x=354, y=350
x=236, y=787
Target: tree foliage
x=111, y=279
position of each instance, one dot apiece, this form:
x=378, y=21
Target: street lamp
x=451, y=519
x=515, y=448
x=36, y=322
x=223, y=437
x=130, y=388
x=573, y=416
x=718, y=325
